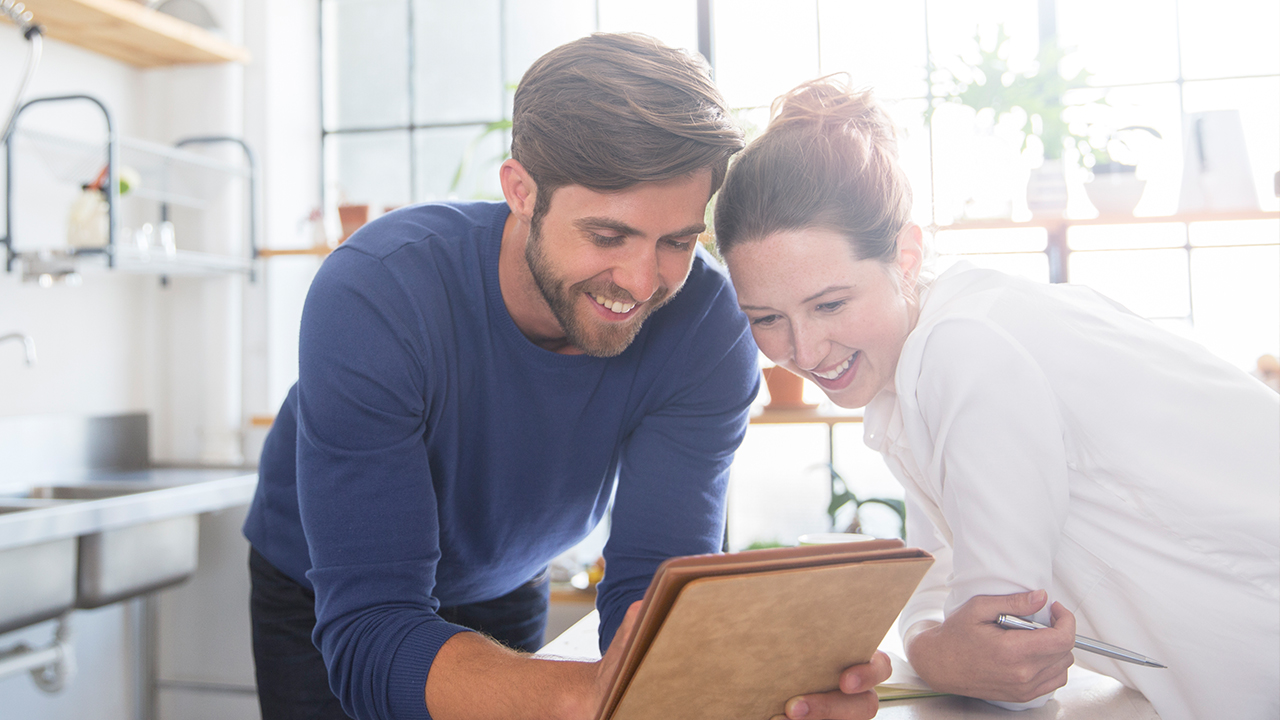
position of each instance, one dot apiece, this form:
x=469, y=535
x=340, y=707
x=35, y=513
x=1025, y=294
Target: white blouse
x=1048, y=438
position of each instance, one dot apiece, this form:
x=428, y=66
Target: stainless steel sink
x=117, y=564
x=123, y=562
x=97, y=491
x=39, y=580
x=87, y=519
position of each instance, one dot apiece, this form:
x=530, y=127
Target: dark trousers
x=292, y=681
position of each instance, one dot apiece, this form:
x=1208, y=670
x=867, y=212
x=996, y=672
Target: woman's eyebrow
x=824, y=291
x=811, y=298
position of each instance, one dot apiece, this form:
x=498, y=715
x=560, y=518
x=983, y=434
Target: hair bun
x=833, y=106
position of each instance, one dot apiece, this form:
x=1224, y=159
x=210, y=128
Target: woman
x=1053, y=446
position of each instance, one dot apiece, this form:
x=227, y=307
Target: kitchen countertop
x=168, y=492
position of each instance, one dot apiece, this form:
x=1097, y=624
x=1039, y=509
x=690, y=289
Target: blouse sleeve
x=998, y=460
x=926, y=603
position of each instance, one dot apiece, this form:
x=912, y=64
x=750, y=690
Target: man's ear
x=518, y=188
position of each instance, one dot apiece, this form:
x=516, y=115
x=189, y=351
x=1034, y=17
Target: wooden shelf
x=131, y=32
x=1057, y=222
x=317, y=250
x=824, y=414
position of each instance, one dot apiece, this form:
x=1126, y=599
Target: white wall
x=200, y=355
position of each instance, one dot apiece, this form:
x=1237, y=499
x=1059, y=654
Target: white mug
x=830, y=538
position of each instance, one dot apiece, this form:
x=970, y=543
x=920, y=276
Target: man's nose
x=637, y=271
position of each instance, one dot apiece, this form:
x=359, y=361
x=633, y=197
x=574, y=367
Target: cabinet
x=131, y=32
x=179, y=202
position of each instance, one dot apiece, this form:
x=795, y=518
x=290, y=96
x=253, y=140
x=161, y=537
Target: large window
x=411, y=89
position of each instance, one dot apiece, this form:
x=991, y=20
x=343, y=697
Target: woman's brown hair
x=612, y=110
x=829, y=159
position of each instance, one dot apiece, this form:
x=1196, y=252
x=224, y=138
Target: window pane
x=1229, y=37
x=1236, y=232
x=365, y=60
x=1237, y=295
x=1034, y=266
x=764, y=48
x=440, y=153
x=913, y=154
x=368, y=169
x=537, y=26
x=978, y=169
x=953, y=24
x=1258, y=101
x=1151, y=283
x=1108, y=237
x=1029, y=239
x=674, y=22
x=880, y=45
x=1134, y=41
x=457, y=61
x=779, y=486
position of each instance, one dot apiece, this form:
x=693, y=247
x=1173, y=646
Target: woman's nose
x=809, y=346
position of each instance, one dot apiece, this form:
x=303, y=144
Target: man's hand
x=608, y=666
x=970, y=655
x=474, y=678
x=855, y=700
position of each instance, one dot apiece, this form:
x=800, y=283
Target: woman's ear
x=518, y=188
x=910, y=253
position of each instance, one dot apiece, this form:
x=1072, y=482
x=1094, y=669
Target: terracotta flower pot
x=786, y=389
x=352, y=218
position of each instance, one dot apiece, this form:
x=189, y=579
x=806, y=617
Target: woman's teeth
x=832, y=375
x=614, y=305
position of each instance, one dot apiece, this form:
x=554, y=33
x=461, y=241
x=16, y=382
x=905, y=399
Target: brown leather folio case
x=735, y=636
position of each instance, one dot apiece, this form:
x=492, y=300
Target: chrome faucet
x=28, y=344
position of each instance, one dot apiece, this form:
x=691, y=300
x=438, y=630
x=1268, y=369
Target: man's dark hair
x=609, y=111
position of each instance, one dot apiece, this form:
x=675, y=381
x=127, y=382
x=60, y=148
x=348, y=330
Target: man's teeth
x=838, y=371
x=614, y=305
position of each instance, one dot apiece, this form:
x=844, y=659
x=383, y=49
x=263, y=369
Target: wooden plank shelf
x=132, y=32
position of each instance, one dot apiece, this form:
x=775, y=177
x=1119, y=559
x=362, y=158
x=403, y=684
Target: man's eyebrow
x=600, y=223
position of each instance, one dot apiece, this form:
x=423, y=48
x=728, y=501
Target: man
x=474, y=377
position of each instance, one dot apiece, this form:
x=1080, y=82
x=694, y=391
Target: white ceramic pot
x=1115, y=193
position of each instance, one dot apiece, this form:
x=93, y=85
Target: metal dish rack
x=175, y=178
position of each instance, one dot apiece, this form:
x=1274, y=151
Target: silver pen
x=1013, y=622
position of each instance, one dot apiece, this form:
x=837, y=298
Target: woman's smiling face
x=825, y=316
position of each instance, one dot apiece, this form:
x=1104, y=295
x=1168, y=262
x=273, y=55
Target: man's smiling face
x=605, y=261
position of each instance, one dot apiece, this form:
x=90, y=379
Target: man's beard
x=598, y=338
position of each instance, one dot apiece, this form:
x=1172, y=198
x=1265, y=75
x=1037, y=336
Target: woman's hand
x=970, y=655
x=855, y=700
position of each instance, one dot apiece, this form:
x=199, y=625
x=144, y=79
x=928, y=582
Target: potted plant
x=1114, y=187
x=1037, y=97
x=842, y=496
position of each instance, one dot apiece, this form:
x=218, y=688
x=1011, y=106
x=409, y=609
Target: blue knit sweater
x=432, y=455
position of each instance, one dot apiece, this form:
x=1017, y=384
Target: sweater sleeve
x=999, y=460
x=365, y=490
x=674, y=472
